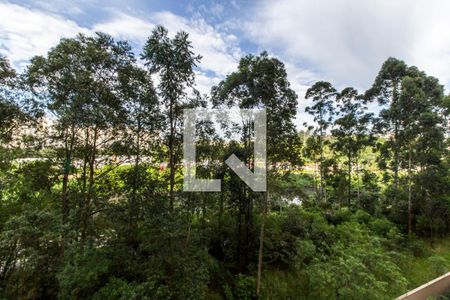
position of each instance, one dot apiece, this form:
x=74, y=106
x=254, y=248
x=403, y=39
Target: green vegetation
x=91, y=199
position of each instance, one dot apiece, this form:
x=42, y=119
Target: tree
x=261, y=82
x=386, y=90
x=174, y=62
x=144, y=122
x=8, y=109
x=17, y=106
x=79, y=80
x=351, y=131
x=414, y=109
x=420, y=103
x=323, y=95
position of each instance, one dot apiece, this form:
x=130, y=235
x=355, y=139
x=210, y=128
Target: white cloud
x=27, y=32
x=204, y=82
x=127, y=27
x=301, y=79
x=57, y=6
x=346, y=41
x=219, y=50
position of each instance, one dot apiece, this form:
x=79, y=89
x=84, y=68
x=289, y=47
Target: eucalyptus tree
x=323, y=95
x=386, y=90
x=173, y=61
x=9, y=112
x=414, y=108
x=18, y=107
x=143, y=126
x=8, y=109
x=422, y=131
x=261, y=82
x=446, y=115
x=79, y=79
x=312, y=150
x=351, y=131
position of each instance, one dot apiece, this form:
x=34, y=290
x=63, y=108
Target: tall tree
x=386, y=90
x=79, y=79
x=351, y=131
x=261, y=82
x=414, y=107
x=8, y=109
x=16, y=104
x=422, y=127
x=144, y=122
x=174, y=62
x=323, y=95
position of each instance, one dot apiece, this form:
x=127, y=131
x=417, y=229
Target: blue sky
x=341, y=41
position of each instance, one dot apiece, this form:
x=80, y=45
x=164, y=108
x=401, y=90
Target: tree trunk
x=409, y=190
x=316, y=189
x=171, y=156
x=358, y=197
x=221, y=209
x=349, y=179
x=86, y=209
x=261, y=242
x=65, y=201
x=67, y=166
x=396, y=144
x=321, y=169
x=133, y=201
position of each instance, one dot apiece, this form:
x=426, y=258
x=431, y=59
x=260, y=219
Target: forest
x=91, y=179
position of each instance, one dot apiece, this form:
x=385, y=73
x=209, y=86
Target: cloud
x=346, y=41
x=220, y=51
x=123, y=26
x=58, y=6
x=205, y=82
x=301, y=79
x=28, y=32
x=25, y=32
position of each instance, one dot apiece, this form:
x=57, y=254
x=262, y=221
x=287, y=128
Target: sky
x=341, y=41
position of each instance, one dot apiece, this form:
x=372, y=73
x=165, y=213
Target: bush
x=362, y=217
x=245, y=287
x=438, y=264
x=83, y=274
x=381, y=227
x=418, y=247
x=118, y=289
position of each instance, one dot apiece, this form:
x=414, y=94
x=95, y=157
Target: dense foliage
x=91, y=200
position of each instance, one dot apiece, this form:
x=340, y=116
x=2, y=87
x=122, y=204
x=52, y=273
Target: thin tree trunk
x=358, y=197
x=316, y=188
x=171, y=157
x=261, y=242
x=396, y=158
x=349, y=179
x=321, y=169
x=85, y=162
x=409, y=190
x=65, y=201
x=86, y=213
x=133, y=214
x=221, y=210
x=67, y=165
x=84, y=199
x=396, y=144
x=266, y=207
x=203, y=211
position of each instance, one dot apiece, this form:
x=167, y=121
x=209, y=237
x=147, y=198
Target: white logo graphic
x=256, y=180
